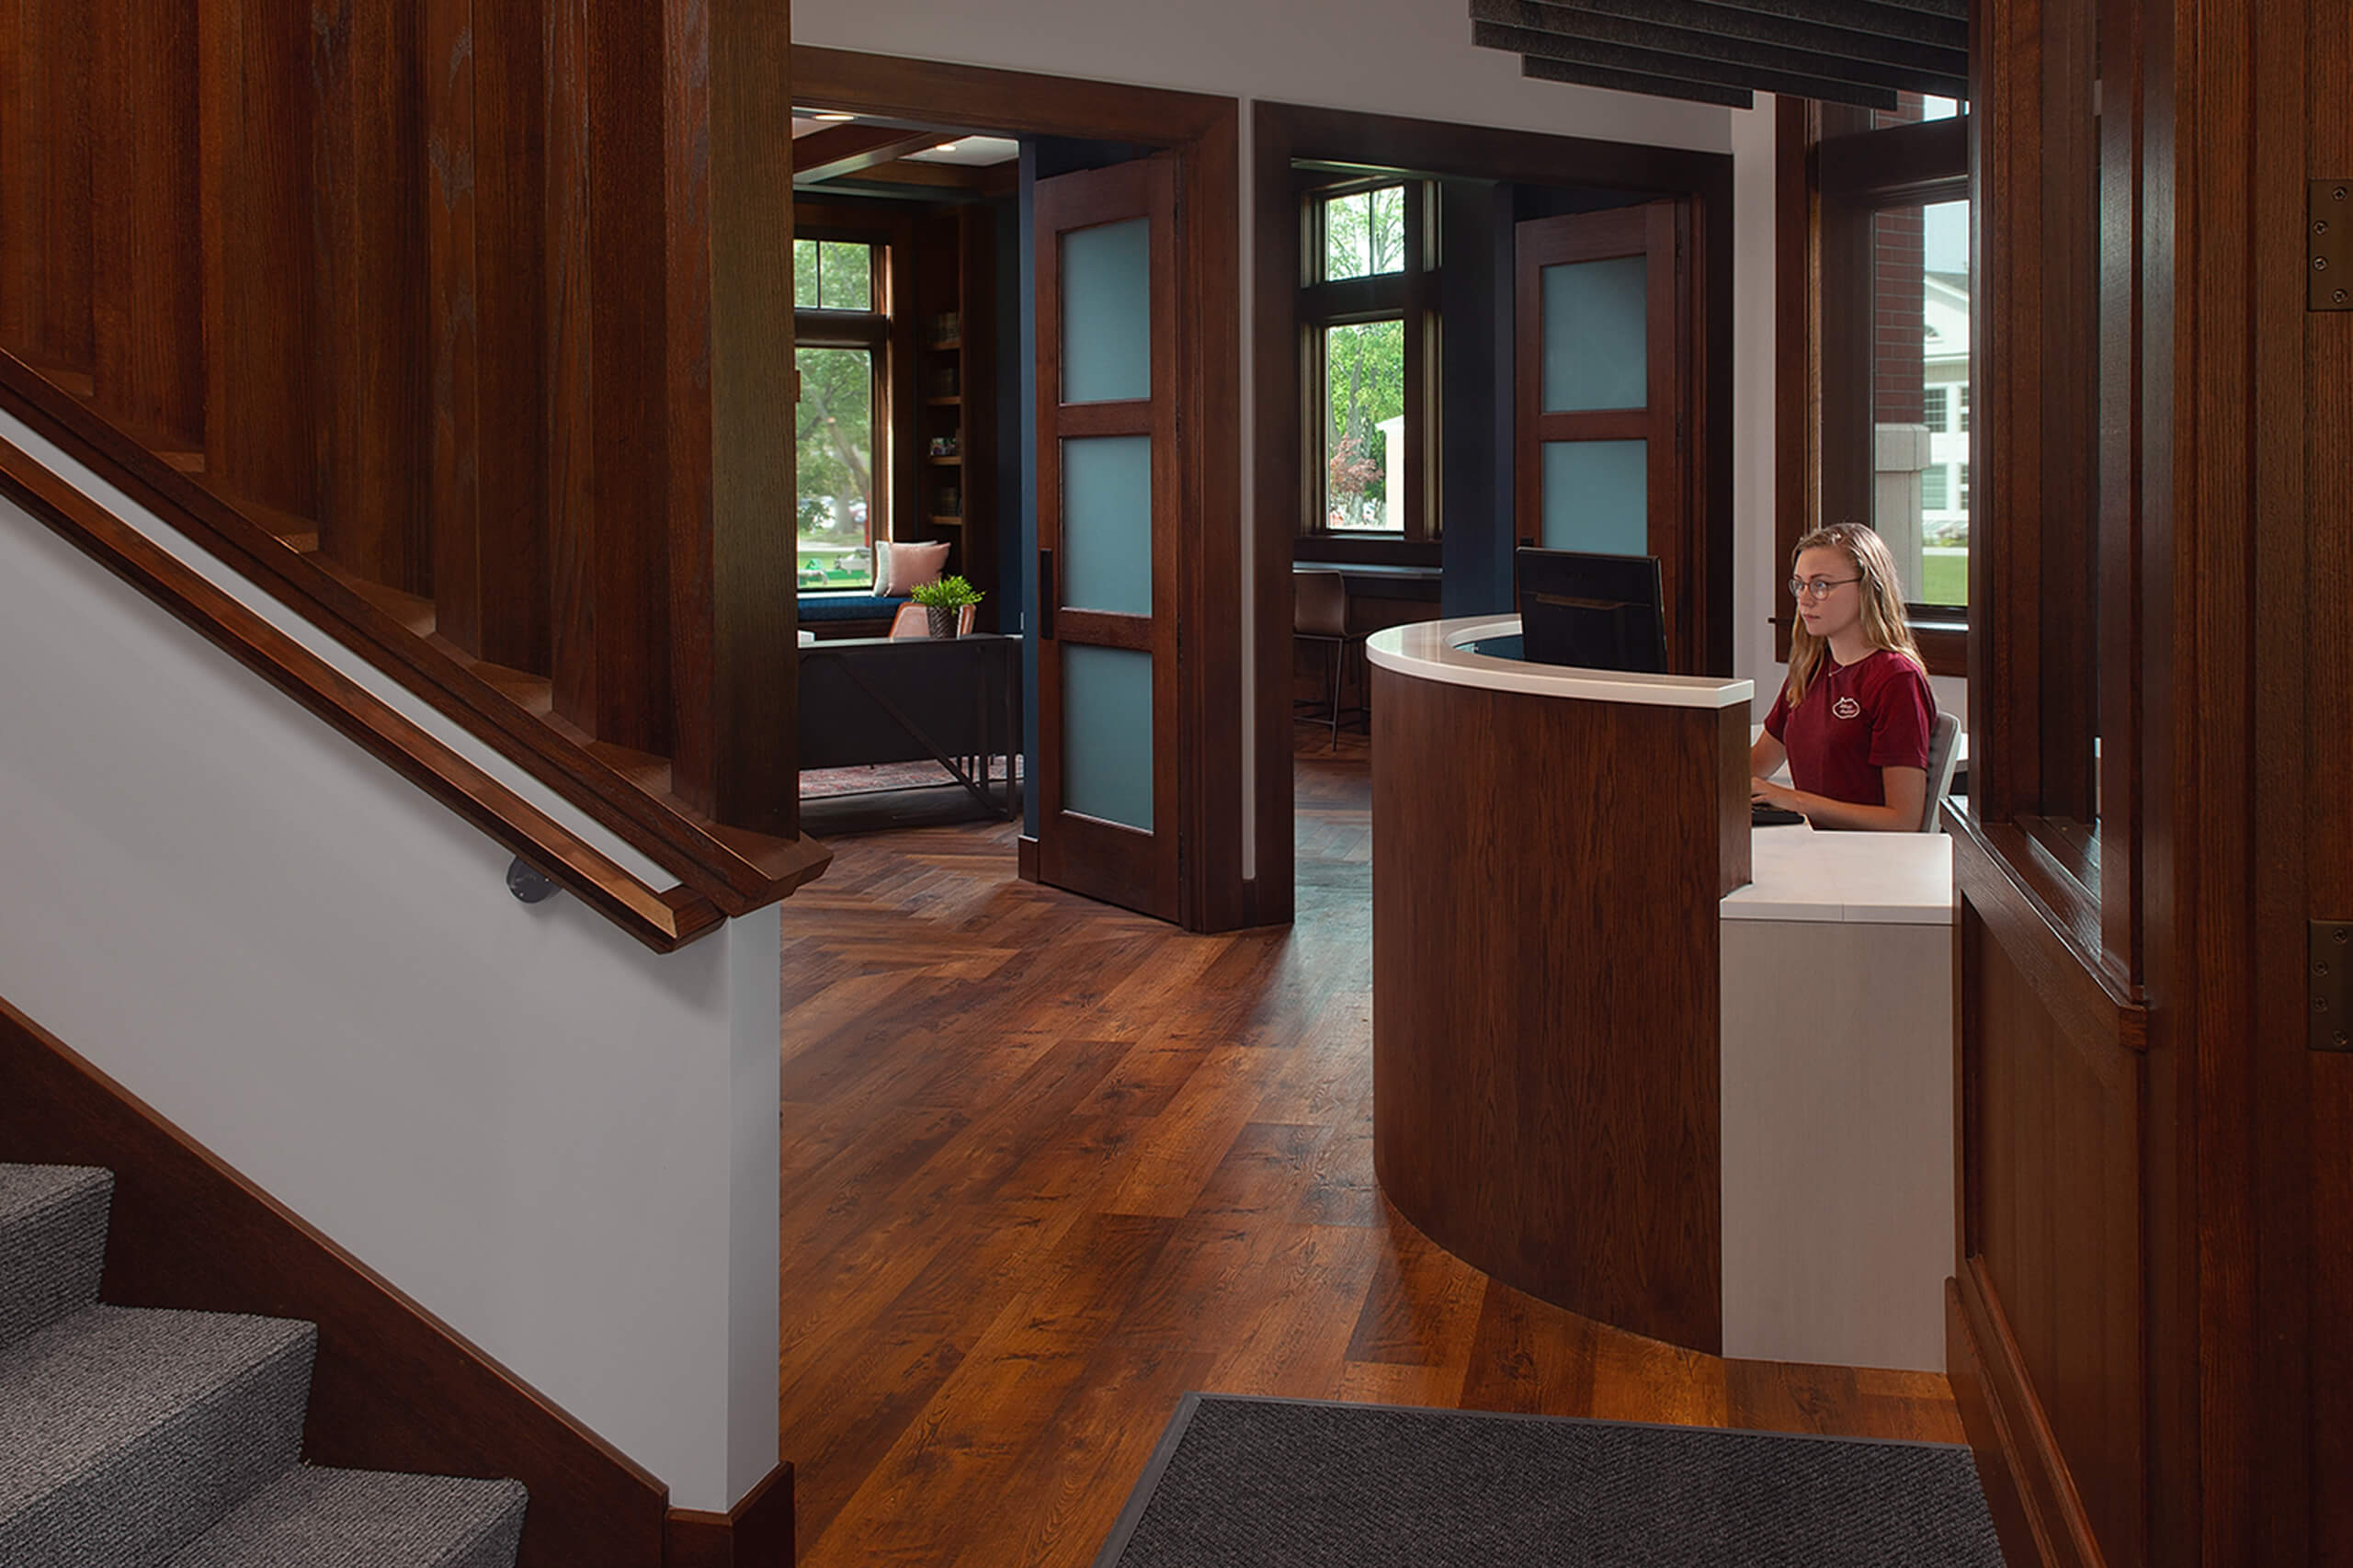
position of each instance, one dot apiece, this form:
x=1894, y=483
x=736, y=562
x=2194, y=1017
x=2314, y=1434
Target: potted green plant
x=943, y=604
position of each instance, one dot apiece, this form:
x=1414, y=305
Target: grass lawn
x=1944, y=578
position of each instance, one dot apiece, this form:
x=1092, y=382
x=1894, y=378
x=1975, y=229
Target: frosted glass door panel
x=1107, y=735
x=1597, y=497
x=1107, y=524
x=1597, y=334
x=1106, y=312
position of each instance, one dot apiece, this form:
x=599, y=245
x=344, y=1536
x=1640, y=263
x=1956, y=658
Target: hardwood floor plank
x=1050, y=1165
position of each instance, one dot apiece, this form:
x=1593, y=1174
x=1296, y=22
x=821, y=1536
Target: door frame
x=1282, y=133
x=1203, y=131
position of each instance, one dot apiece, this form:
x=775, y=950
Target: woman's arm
x=1907, y=794
x=1765, y=759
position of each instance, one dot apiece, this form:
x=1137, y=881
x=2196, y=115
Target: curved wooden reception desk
x=1550, y=846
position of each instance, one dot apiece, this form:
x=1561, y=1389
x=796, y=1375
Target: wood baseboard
x=755, y=1533
x=394, y=1387
x=1025, y=859
x=2028, y=1488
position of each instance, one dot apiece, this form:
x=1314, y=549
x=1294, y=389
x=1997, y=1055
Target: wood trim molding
x=2049, y=923
x=663, y=919
x=1204, y=132
x=2036, y=1508
x=755, y=1533
x=737, y=870
x=395, y=1388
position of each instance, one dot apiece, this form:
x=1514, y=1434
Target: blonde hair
x=1883, y=623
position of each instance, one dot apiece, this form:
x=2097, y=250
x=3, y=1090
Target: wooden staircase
x=466, y=334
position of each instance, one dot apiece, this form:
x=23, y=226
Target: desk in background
x=953, y=701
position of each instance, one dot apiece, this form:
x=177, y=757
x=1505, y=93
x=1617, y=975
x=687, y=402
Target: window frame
x=886, y=332
x=1835, y=171
x=1408, y=296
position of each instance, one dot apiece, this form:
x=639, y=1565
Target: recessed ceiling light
x=833, y=115
x=945, y=147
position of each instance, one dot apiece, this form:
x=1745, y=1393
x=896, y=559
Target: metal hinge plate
x=2329, y=245
x=2328, y=972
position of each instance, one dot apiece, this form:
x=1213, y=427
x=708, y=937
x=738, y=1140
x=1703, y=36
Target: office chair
x=1942, y=748
x=1320, y=614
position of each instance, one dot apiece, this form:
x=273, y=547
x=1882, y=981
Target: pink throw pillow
x=901, y=568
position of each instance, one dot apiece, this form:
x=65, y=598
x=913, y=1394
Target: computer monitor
x=1598, y=613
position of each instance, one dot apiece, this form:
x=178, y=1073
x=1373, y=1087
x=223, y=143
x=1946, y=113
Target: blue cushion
x=849, y=607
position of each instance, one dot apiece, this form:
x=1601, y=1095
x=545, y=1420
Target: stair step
x=127, y=1432
x=52, y=1243
x=365, y=1519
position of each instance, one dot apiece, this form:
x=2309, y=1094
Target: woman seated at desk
x=1853, y=719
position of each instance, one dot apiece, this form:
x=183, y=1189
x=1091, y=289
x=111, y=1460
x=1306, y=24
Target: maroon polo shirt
x=1856, y=719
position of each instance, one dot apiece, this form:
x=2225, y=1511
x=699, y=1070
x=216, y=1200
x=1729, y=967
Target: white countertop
x=1888, y=879
x=1432, y=650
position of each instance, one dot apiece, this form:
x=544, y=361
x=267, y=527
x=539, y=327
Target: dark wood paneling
x=729, y=233
x=453, y=316
x=2053, y=1222
x=1537, y=968
x=736, y=869
x=755, y=1533
x=661, y=919
x=46, y=124
x=1212, y=697
x=374, y=346
x=484, y=81
x=2033, y=1500
x=393, y=1388
x=262, y=396
x=147, y=312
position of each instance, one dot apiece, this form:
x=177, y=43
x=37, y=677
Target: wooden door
x=1602, y=397
x=1106, y=568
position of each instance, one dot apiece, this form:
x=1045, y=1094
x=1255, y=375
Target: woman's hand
x=1765, y=792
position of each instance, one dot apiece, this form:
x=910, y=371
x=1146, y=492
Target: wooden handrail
x=663, y=919
x=736, y=870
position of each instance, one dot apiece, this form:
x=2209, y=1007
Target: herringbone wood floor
x=1048, y=1166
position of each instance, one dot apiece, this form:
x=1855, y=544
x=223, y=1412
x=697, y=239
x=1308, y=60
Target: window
x=1874, y=258
x=842, y=330
x=1366, y=317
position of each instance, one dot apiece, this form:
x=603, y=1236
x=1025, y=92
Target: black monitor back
x=1598, y=613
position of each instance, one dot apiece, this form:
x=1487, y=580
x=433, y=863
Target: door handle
x=1045, y=593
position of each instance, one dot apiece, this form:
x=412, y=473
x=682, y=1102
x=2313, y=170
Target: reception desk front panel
x=1547, y=861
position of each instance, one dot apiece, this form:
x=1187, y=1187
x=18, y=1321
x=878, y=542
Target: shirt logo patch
x=1846, y=708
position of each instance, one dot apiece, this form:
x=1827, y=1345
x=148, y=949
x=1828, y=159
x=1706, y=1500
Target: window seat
x=850, y=614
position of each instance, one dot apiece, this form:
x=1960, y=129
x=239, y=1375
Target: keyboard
x=1762, y=816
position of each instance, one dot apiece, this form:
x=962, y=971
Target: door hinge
x=2329, y=245
x=2328, y=974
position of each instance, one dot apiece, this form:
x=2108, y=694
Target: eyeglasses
x=1817, y=588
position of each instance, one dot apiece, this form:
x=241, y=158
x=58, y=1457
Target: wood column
x=728, y=227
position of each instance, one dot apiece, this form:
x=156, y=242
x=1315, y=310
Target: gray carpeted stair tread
x=125, y=1433
x=363, y=1519
x=52, y=1243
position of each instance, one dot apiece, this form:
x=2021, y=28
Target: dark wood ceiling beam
x=1711, y=25
x=852, y=148
x=1946, y=24
x=1551, y=50
x=1634, y=82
